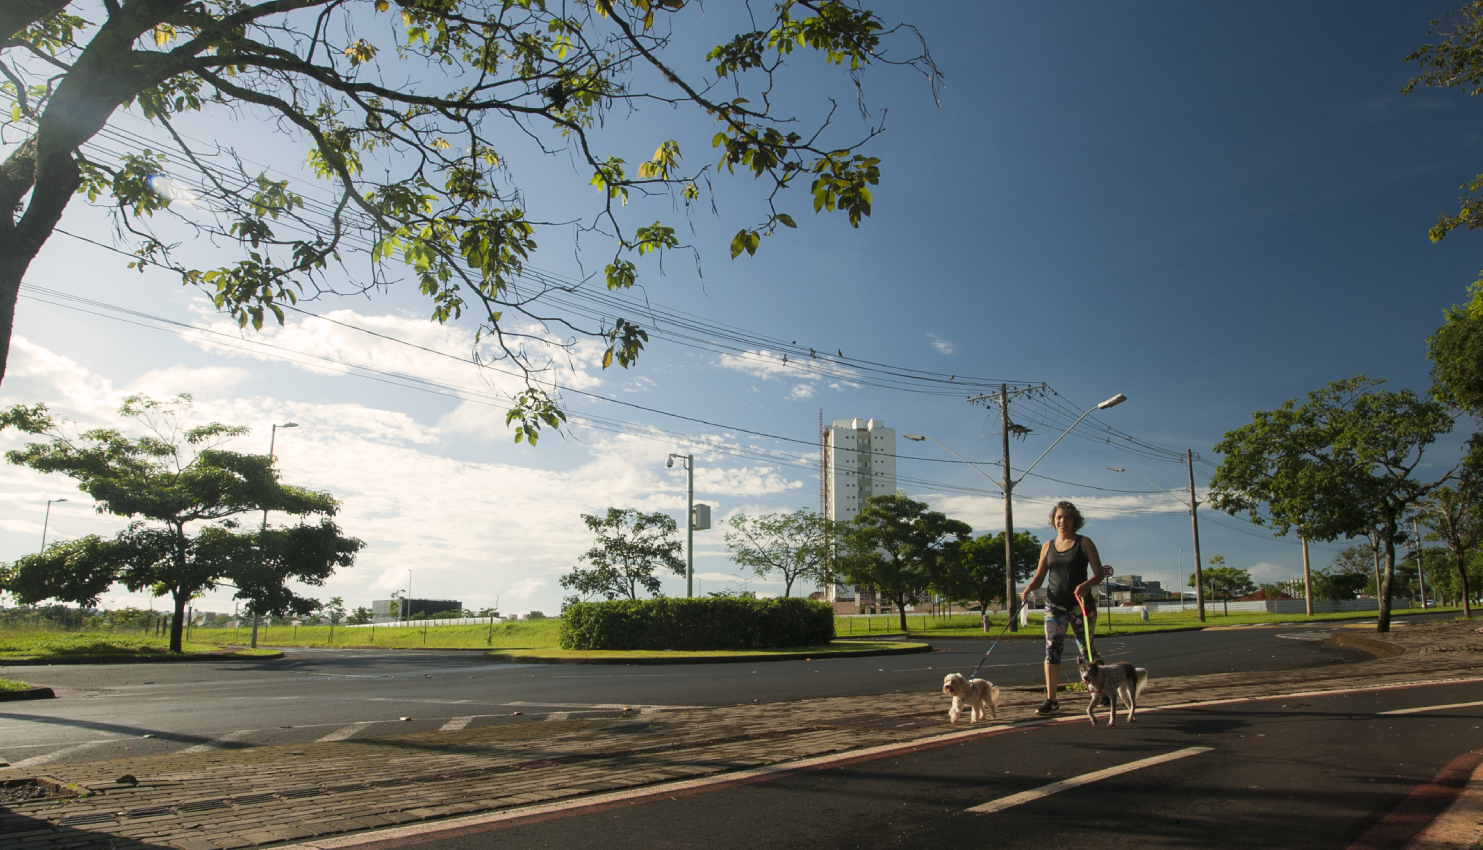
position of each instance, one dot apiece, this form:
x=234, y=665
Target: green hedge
x=696, y=624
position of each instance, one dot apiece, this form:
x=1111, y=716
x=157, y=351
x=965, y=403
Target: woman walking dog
x=1074, y=568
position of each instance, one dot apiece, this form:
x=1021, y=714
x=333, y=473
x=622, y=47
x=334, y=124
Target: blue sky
x=1211, y=210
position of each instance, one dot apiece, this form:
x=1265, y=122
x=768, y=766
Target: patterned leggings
x=1057, y=621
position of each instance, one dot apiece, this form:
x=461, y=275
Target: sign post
x=1107, y=593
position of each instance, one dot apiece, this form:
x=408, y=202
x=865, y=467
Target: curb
x=27, y=693
x=141, y=659
x=715, y=659
x=1377, y=648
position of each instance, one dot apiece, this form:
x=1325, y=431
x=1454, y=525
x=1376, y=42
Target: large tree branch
x=16, y=15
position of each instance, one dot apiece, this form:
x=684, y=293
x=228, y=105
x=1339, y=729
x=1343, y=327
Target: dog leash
x=1007, y=623
x=1086, y=630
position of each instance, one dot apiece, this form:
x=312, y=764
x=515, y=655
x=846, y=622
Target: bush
x=696, y=624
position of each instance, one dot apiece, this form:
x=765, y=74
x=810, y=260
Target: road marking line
x=1433, y=708
x=53, y=756
x=217, y=743
x=344, y=732
x=558, y=715
x=455, y=723
x=1085, y=779
x=603, y=705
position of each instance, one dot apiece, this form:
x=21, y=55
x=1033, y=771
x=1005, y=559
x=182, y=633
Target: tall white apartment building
x=861, y=454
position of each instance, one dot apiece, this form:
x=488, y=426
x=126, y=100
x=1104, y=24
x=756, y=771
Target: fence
x=423, y=624
x=1279, y=606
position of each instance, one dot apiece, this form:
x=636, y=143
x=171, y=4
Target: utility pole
x=1307, y=578
x=1420, y=573
x=689, y=461
x=1194, y=521
x=1007, y=427
x=1009, y=593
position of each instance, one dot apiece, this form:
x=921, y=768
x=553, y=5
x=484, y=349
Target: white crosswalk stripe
x=55, y=755
x=1012, y=800
x=345, y=732
x=455, y=723
x=218, y=742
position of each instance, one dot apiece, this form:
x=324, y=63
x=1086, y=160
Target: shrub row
x=696, y=624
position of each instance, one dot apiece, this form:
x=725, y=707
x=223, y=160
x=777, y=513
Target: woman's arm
x=1090, y=549
x=1040, y=570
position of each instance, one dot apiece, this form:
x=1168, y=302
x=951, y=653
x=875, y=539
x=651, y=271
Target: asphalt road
x=1293, y=773
x=109, y=711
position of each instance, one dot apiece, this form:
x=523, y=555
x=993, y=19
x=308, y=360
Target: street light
x=47, y=521
x=1195, y=529
x=1008, y=485
x=689, y=461
x=272, y=442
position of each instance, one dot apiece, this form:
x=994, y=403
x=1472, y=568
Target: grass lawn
x=531, y=634
x=760, y=654
x=1124, y=621
x=12, y=684
x=17, y=644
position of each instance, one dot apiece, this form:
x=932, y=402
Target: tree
x=1337, y=585
x=897, y=545
x=976, y=574
x=1456, y=515
x=795, y=546
x=630, y=547
x=1223, y=582
x=360, y=616
x=173, y=478
x=1339, y=466
x=1455, y=61
x=334, y=610
x=415, y=117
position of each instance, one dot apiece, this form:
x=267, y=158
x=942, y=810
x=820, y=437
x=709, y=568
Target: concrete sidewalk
x=263, y=795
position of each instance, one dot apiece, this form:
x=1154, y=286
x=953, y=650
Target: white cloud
x=205, y=382
x=1267, y=573
x=808, y=370
x=468, y=530
x=763, y=364
x=943, y=346
x=527, y=588
x=417, y=348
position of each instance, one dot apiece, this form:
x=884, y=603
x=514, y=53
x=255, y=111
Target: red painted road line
x=1421, y=807
x=412, y=834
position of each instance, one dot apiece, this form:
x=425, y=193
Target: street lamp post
x=689, y=461
x=272, y=443
x=47, y=521
x=1008, y=485
x=1194, y=519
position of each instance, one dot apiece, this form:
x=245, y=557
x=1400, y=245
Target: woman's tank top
x=1064, y=571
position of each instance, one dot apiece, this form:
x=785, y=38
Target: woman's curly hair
x=1077, y=520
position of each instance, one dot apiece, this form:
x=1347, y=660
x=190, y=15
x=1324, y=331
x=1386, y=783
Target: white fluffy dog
x=979, y=695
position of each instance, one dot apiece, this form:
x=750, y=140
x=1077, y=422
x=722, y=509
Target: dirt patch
x=21, y=790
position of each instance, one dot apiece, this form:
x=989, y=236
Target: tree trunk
x=1382, y=589
x=177, y=623
x=901, y=609
x=1462, y=579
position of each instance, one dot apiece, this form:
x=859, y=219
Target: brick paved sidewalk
x=263, y=795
